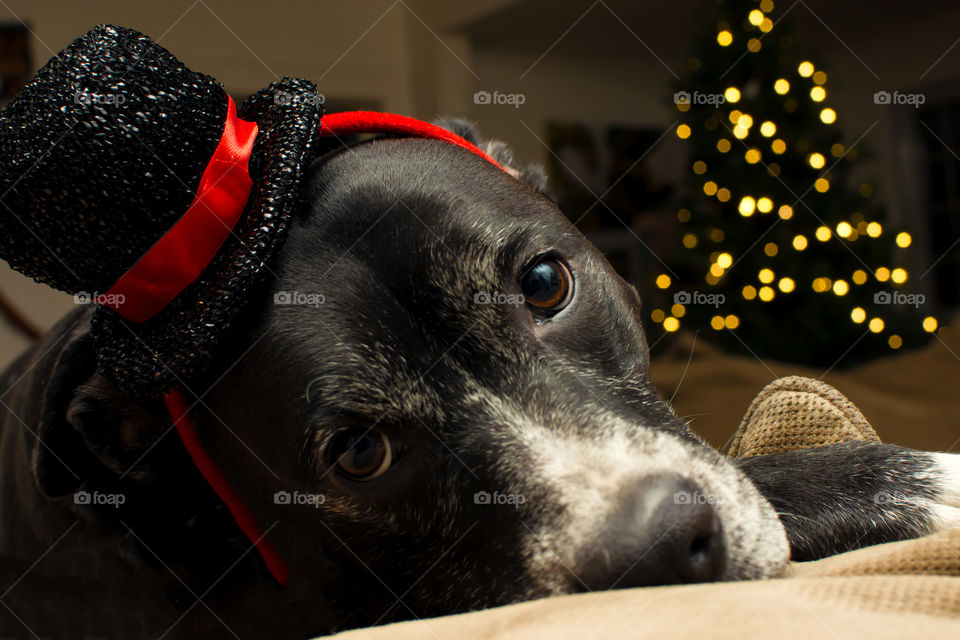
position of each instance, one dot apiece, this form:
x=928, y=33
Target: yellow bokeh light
x=740, y=132
x=754, y=44
x=766, y=25
x=895, y=341
x=745, y=120
x=816, y=160
x=723, y=145
x=732, y=321
x=752, y=156
x=716, y=270
x=828, y=116
x=858, y=315
x=723, y=194
x=820, y=77
x=875, y=325
x=822, y=185
x=771, y=249
x=785, y=211
x=716, y=322
x=678, y=310
x=904, y=239
x=823, y=234
x=747, y=206
x=766, y=5
x=805, y=69
x=732, y=94
x=767, y=129
x=755, y=17
x=657, y=315
x=778, y=146
x=882, y=274
x=683, y=215
x=929, y=324
x=683, y=131
x=821, y=284
x=663, y=281
x=766, y=276
x=764, y=205
x=836, y=150
x=735, y=116
x=699, y=167
x=859, y=276
x=749, y=292
x=787, y=285
x=799, y=242
x=817, y=94
x=725, y=260
x=724, y=38
x=716, y=234
x=766, y=294
x=841, y=288
x=781, y=86
x=689, y=240
x=844, y=229
x=898, y=275
x=710, y=187
x=712, y=279
x=671, y=324
x=874, y=229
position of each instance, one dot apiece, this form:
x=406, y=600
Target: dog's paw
x=945, y=508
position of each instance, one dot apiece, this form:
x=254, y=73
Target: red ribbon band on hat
x=186, y=250
x=183, y=252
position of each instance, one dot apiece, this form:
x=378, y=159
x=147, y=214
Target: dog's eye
x=547, y=285
x=361, y=454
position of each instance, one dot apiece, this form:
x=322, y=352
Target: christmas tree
x=781, y=255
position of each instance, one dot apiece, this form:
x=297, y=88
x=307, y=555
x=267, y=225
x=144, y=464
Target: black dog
x=443, y=403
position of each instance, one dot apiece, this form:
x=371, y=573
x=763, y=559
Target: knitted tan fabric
x=848, y=608
x=796, y=413
x=905, y=589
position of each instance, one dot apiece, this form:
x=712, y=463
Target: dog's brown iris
x=547, y=285
x=361, y=454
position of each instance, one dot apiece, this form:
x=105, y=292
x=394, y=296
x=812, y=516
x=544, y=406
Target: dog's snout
x=665, y=531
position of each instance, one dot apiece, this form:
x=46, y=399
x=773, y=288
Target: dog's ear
x=88, y=429
x=59, y=458
x=531, y=175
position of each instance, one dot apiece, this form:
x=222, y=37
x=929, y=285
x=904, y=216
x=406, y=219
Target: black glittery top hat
x=129, y=180
x=136, y=184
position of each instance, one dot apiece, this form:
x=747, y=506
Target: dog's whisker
x=685, y=369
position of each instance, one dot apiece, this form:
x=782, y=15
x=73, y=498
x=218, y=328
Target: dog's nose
x=665, y=532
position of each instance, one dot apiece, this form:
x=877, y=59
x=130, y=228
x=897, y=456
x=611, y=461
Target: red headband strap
x=346, y=122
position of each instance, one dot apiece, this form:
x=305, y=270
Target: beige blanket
x=901, y=590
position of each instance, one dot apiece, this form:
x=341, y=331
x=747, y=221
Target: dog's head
x=444, y=403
